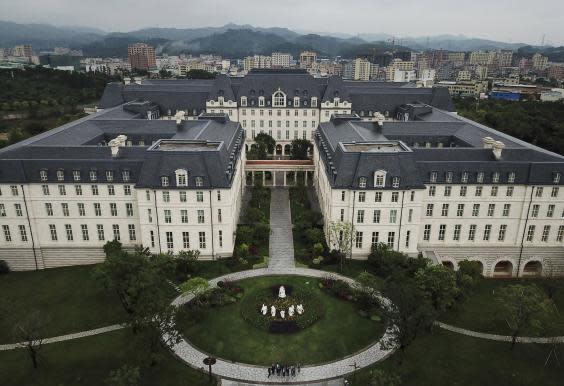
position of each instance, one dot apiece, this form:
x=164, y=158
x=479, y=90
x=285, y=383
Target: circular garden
x=230, y=321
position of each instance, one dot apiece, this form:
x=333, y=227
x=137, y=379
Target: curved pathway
x=499, y=338
x=251, y=373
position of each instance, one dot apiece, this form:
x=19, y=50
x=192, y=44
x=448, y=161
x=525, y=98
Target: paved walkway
x=499, y=338
x=333, y=382
x=281, y=248
x=62, y=338
x=242, y=372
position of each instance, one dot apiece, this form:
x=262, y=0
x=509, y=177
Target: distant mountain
x=555, y=54
x=44, y=36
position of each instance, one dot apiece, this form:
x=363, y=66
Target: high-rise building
x=482, y=57
x=540, y=62
x=307, y=59
x=504, y=58
x=361, y=69
x=281, y=59
x=257, y=61
x=23, y=51
x=142, y=57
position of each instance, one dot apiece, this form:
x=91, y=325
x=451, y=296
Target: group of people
x=283, y=370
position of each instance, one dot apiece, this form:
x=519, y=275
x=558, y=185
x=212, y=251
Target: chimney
x=116, y=143
x=488, y=142
x=179, y=116
x=126, y=80
x=498, y=146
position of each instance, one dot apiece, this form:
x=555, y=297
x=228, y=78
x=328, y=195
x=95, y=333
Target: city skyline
x=503, y=20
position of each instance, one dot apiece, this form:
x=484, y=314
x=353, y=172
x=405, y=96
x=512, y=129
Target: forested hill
x=539, y=123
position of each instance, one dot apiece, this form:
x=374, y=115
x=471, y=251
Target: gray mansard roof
x=352, y=149
x=191, y=94
x=207, y=148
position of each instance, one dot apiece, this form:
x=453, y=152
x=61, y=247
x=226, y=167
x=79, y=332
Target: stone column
x=263, y=178
x=274, y=178
x=285, y=177
x=253, y=178
x=305, y=177
x=295, y=178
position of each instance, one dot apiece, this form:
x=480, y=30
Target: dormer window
x=221, y=100
x=243, y=101
x=93, y=175
x=199, y=181
x=261, y=101
x=433, y=177
x=395, y=182
x=362, y=182
x=480, y=177
x=109, y=175
x=511, y=177
x=164, y=181
x=448, y=177
x=314, y=102
x=495, y=177
x=60, y=175
x=296, y=102
x=278, y=99
x=43, y=175
x=125, y=175
x=464, y=177
x=556, y=178
x=380, y=179
x=181, y=177
x=76, y=175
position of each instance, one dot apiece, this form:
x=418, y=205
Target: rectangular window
x=152, y=236
x=475, y=210
x=202, y=239
x=554, y=192
x=378, y=197
x=48, y=209
x=502, y=231
x=342, y=217
x=432, y=191
x=182, y=197
x=62, y=190
x=535, y=211
x=407, y=237
x=448, y=191
x=491, y=210
x=560, y=234
x=360, y=216
x=78, y=190
x=84, y=229
x=184, y=216
x=545, y=233
x=166, y=196
x=478, y=192
x=65, y=208
x=393, y=216
x=487, y=232
x=463, y=191
x=23, y=233
x=97, y=209
x=460, y=210
x=100, y=231
x=391, y=239
x=94, y=189
x=493, y=191
x=358, y=239
x=427, y=232
x=167, y=216
x=127, y=190
x=219, y=216
x=129, y=209
x=550, y=210
x=53, y=232
x=395, y=196
x=185, y=240
x=343, y=194
x=68, y=230
x=200, y=216
x=200, y=196
x=442, y=231
x=219, y=195
x=375, y=237
x=18, y=208
x=456, y=234
x=15, y=191
x=376, y=216
x=472, y=233
x=115, y=228
x=81, y=210
x=509, y=191
x=538, y=192
x=531, y=232
x=429, y=212
x=410, y=215
x=361, y=196
x=444, y=210
x=111, y=190
x=169, y=241
x=113, y=209
x=506, y=209
x=45, y=189
x=7, y=234
x=132, y=235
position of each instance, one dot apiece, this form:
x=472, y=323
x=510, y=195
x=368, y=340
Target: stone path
x=281, y=248
x=499, y=338
x=242, y=372
x=62, y=338
x=333, y=382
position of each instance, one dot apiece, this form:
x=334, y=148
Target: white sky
x=506, y=20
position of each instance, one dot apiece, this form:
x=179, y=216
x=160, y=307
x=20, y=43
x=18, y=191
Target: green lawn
x=340, y=333
x=70, y=298
x=447, y=358
x=88, y=361
x=479, y=312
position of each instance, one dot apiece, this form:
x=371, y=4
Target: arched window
x=181, y=177
x=380, y=179
x=279, y=99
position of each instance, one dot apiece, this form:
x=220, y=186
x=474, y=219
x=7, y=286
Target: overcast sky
x=507, y=20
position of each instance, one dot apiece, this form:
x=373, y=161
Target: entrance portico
x=279, y=172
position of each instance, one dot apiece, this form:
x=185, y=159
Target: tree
x=411, y=312
x=257, y=151
x=341, y=238
x=186, y=263
x=200, y=74
x=30, y=332
x=439, y=285
x=524, y=307
x=468, y=275
x=394, y=265
x=300, y=149
x=263, y=139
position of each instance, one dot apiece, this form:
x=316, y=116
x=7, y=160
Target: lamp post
x=210, y=361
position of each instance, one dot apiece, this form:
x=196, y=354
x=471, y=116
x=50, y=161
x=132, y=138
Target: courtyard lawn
x=446, y=358
x=69, y=297
x=479, y=311
x=88, y=361
x=341, y=332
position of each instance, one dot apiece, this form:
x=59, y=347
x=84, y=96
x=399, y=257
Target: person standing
x=269, y=372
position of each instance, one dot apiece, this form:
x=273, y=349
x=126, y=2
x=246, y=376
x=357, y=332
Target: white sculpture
x=283, y=314
x=264, y=309
x=273, y=311
x=300, y=309
x=282, y=292
x=291, y=311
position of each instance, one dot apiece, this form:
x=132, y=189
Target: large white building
x=163, y=165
